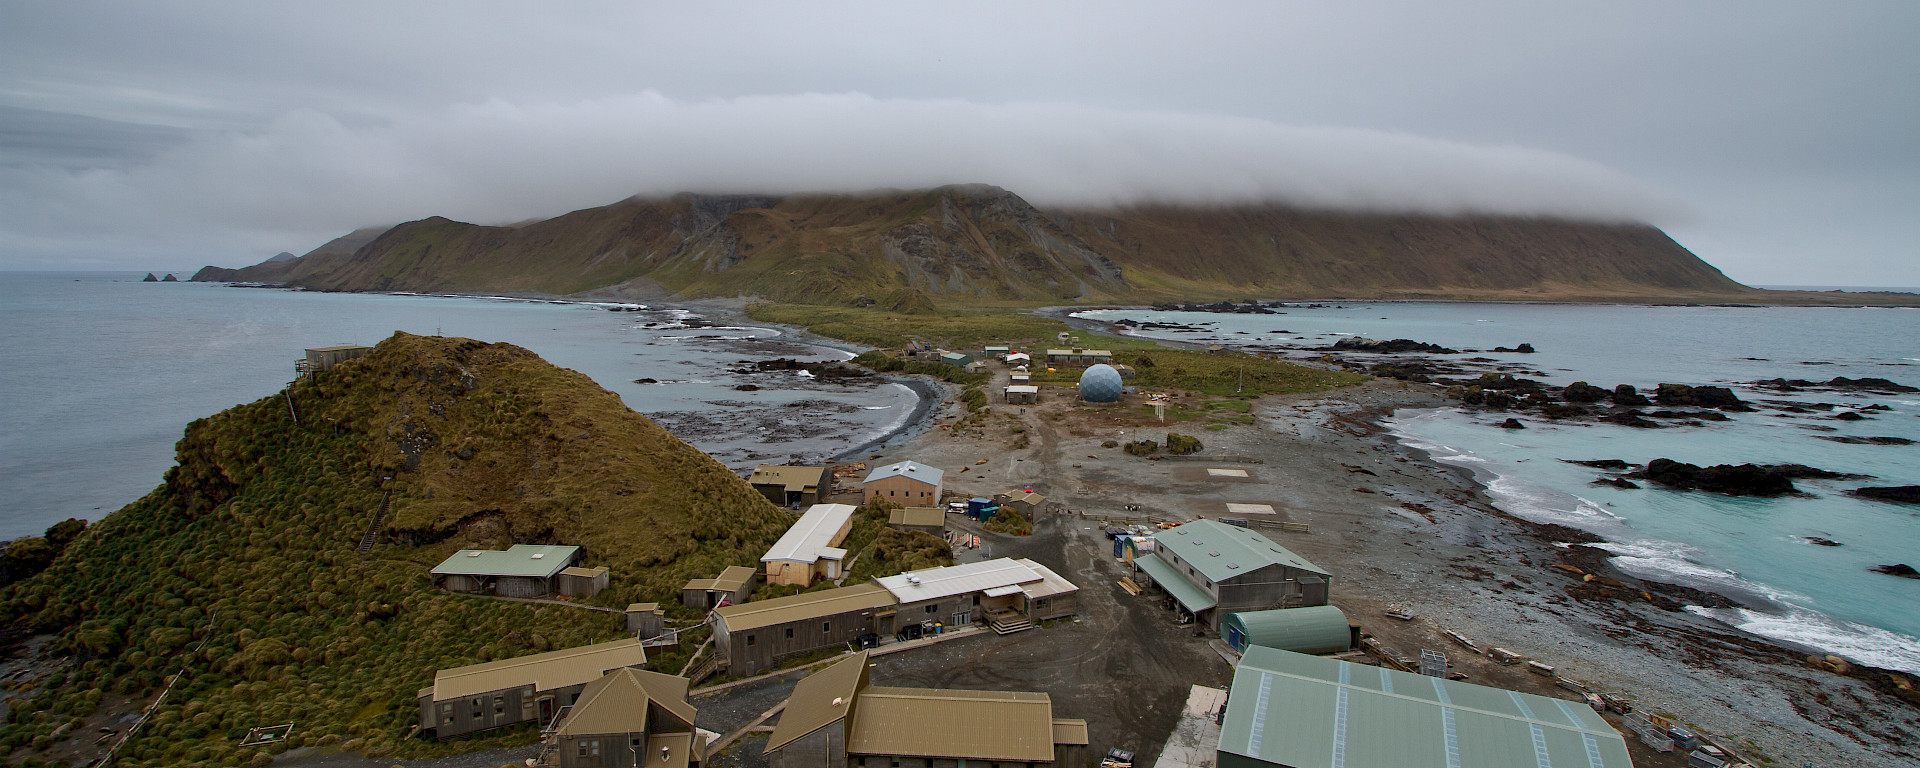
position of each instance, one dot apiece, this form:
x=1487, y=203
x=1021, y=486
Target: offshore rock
x=1625, y=395
x=1903, y=494
x=1707, y=397
x=1897, y=569
x=1582, y=392
x=1728, y=479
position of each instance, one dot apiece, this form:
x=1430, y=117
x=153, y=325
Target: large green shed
x=1315, y=629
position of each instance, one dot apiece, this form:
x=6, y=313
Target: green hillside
x=242, y=567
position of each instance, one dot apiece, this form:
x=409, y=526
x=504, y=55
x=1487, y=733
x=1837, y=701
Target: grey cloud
x=499, y=161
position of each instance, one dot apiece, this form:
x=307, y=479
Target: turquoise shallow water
x=1753, y=549
x=102, y=372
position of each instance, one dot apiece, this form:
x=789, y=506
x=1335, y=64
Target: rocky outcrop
x=1582, y=392
x=1706, y=397
x=1394, y=346
x=1903, y=494
x=1838, y=383
x=1898, y=569
x=1736, y=479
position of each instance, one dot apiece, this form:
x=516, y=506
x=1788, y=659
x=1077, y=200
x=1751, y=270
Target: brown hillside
x=982, y=242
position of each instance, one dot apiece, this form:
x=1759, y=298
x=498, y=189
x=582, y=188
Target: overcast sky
x=1780, y=142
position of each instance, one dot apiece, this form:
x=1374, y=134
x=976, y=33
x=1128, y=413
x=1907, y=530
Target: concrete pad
x=1195, y=741
x=1226, y=472
x=1234, y=508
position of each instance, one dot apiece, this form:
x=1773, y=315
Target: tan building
x=811, y=548
x=1078, y=358
x=581, y=582
x=1022, y=394
x=1026, y=502
x=646, y=620
x=836, y=718
x=926, y=519
x=525, y=688
x=629, y=717
x=761, y=634
x=789, y=485
x=731, y=587
x=322, y=358
x=1008, y=595
x=907, y=483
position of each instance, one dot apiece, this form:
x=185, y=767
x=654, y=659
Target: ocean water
x=1752, y=549
x=102, y=372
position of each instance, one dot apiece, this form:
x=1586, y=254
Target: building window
x=499, y=705
x=789, y=633
x=826, y=626
x=749, y=641
x=935, y=608
x=477, y=711
x=446, y=714
x=896, y=762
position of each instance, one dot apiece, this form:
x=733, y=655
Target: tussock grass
x=242, y=566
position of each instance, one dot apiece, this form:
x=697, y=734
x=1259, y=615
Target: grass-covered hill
x=982, y=243
x=242, y=568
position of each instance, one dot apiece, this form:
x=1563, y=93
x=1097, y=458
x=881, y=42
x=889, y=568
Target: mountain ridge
x=982, y=243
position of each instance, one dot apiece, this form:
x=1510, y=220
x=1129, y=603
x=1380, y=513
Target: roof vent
x=475, y=553
x=538, y=555
x=1233, y=566
x=1213, y=554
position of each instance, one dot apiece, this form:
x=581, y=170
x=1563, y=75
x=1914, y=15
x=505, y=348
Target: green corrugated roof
x=1220, y=551
x=1182, y=590
x=1310, y=712
x=1317, y=629
x=542, y=561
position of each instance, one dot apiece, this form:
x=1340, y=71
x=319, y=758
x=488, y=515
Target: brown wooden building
x=787, y=486
x=836, y=718
x=500, y=693
x=761, y=634
x=627, y=718
x=732, y=586
x=924, y=519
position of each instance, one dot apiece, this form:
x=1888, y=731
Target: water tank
x=1100, y=384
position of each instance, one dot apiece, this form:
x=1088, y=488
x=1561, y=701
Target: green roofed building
x=522, y=570
x=1290, y=710
x=1211, y=569
x=1319, y=629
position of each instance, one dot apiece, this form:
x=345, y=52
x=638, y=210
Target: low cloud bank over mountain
x=308, y=176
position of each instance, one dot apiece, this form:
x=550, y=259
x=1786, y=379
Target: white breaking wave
x=1809, y=628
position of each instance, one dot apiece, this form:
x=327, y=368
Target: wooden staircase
x=1008, y=624
x=373, y=529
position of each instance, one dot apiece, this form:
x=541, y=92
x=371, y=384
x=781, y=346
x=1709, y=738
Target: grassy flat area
x=953, y=326
x=1220, y=374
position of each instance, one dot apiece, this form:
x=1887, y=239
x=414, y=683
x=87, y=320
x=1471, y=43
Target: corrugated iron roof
x=816, y=530
x=806, y=605
x=1050, y=583
x=918, y=516
x=913, y=469
x=794, y=479
x=967, y=725
x=543, y=671
x=946, y=581
x=617, y=703
x=1194, y=598
x=819, y=700
x=1070, y=732
x=539, y=561
x=1310, y=712
x=1220, y=551
x=1314, y=629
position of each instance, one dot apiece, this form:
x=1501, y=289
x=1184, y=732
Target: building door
x=1235, y=639
x=963, y=618
x=546, y=709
